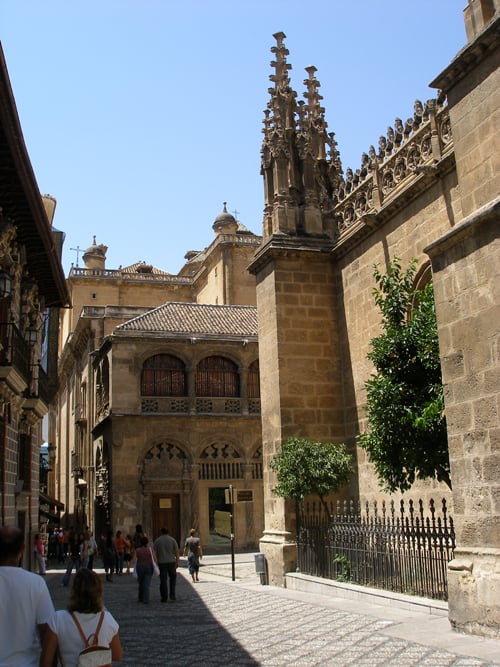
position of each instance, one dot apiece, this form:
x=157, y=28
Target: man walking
x=167, y=555
x=26, y=606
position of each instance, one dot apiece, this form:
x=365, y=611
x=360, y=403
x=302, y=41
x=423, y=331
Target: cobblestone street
x=221, y=622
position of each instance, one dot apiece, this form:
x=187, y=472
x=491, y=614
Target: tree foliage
x=406, y=437
x=305, y=467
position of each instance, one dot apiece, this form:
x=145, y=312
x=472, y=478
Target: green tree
x=305, y=467
x=406, y=437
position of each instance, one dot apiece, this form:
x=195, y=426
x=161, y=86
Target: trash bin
x=260, y=567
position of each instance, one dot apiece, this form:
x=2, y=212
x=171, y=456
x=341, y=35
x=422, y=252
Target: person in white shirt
x=86, y=606
x=26, y=606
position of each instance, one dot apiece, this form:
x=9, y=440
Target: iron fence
x=403, y=549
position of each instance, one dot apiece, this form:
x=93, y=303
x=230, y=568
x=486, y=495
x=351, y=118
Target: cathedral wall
x=405, y=236
x=475, y=116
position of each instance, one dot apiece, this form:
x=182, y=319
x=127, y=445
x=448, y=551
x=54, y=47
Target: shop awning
x=51, y=502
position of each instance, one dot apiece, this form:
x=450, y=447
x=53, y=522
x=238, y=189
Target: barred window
x=253, y=388
x=163, y=375
x=217, y=376
x=24, y=459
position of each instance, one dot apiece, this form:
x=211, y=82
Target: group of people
x=164, y=555
x=33, y=633
x=82, y=549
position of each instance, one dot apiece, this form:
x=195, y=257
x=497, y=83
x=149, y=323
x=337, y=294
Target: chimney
x=49, y=204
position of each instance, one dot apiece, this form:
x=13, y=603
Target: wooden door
x=166, y=514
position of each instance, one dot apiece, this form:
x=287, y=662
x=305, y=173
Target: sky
x=141, y=117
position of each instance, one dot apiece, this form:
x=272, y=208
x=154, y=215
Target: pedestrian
x=60, y=545
x=92, y=550
x=119, y=552
x=194, y=553
x=128, y=553
x=138, y=535
x=167, y=556
x=84, y=549
x=85, y=616
x=144, y=568
x=39, y=551
x=74, y=556
x=108, y=555
x=26, y=606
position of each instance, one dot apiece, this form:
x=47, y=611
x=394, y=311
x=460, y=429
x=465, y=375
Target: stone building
x=32, y=289
x=159, y=404
x=427, y=189
x=430, y=190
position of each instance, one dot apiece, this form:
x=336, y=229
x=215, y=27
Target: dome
x=95, y=256
x=225, y=223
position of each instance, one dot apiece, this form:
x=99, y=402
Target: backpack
x=92, y=655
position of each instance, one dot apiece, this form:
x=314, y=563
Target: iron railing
x=14, y=350
x=404, y=550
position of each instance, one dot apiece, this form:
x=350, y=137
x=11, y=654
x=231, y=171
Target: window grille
x=163, y=375
x=253, y=386
x=217, y=376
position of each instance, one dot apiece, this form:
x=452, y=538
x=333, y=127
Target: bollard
x=260, y=568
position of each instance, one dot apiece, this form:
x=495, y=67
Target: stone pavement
x=220, y=622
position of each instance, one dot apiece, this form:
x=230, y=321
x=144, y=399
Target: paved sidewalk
x=220, y=622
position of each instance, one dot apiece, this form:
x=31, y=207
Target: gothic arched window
x=163, y=375
x=217, y=376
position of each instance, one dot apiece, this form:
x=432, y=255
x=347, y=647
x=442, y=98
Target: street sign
x=244, y=496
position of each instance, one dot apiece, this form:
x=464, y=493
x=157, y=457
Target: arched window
x=163, y=375
x=253, y=385
x=217, y=376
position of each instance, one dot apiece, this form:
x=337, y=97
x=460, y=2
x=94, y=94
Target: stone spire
x=299, y=175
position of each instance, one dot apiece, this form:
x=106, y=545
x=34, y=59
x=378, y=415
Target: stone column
x=300, y=388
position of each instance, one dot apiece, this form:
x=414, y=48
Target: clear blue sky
x=142, y=116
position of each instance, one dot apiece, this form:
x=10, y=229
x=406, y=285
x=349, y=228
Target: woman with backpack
x=84, y=624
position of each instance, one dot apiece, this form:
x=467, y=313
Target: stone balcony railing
x=200, y=405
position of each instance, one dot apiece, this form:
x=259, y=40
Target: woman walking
x=69, y=630
x=193, y=551
x=144, y=560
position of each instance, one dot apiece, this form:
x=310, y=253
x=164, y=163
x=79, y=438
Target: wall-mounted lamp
x=5, y=285
x=31, y=335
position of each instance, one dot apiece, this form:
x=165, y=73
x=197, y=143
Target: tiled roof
x=142, y=267
x=196, y=319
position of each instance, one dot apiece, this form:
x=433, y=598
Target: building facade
x=32, y=290
x=429, y=190
x=159, y=404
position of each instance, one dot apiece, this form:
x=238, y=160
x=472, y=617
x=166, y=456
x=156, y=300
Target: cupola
x=95, y=256
x=225, y=223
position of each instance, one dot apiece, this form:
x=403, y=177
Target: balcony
x=14, y=358
x=200, y=405
x=39, y=385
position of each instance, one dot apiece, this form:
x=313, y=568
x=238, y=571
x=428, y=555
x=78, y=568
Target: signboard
x=244, y=496
x=165, y=503
x=233, y=495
